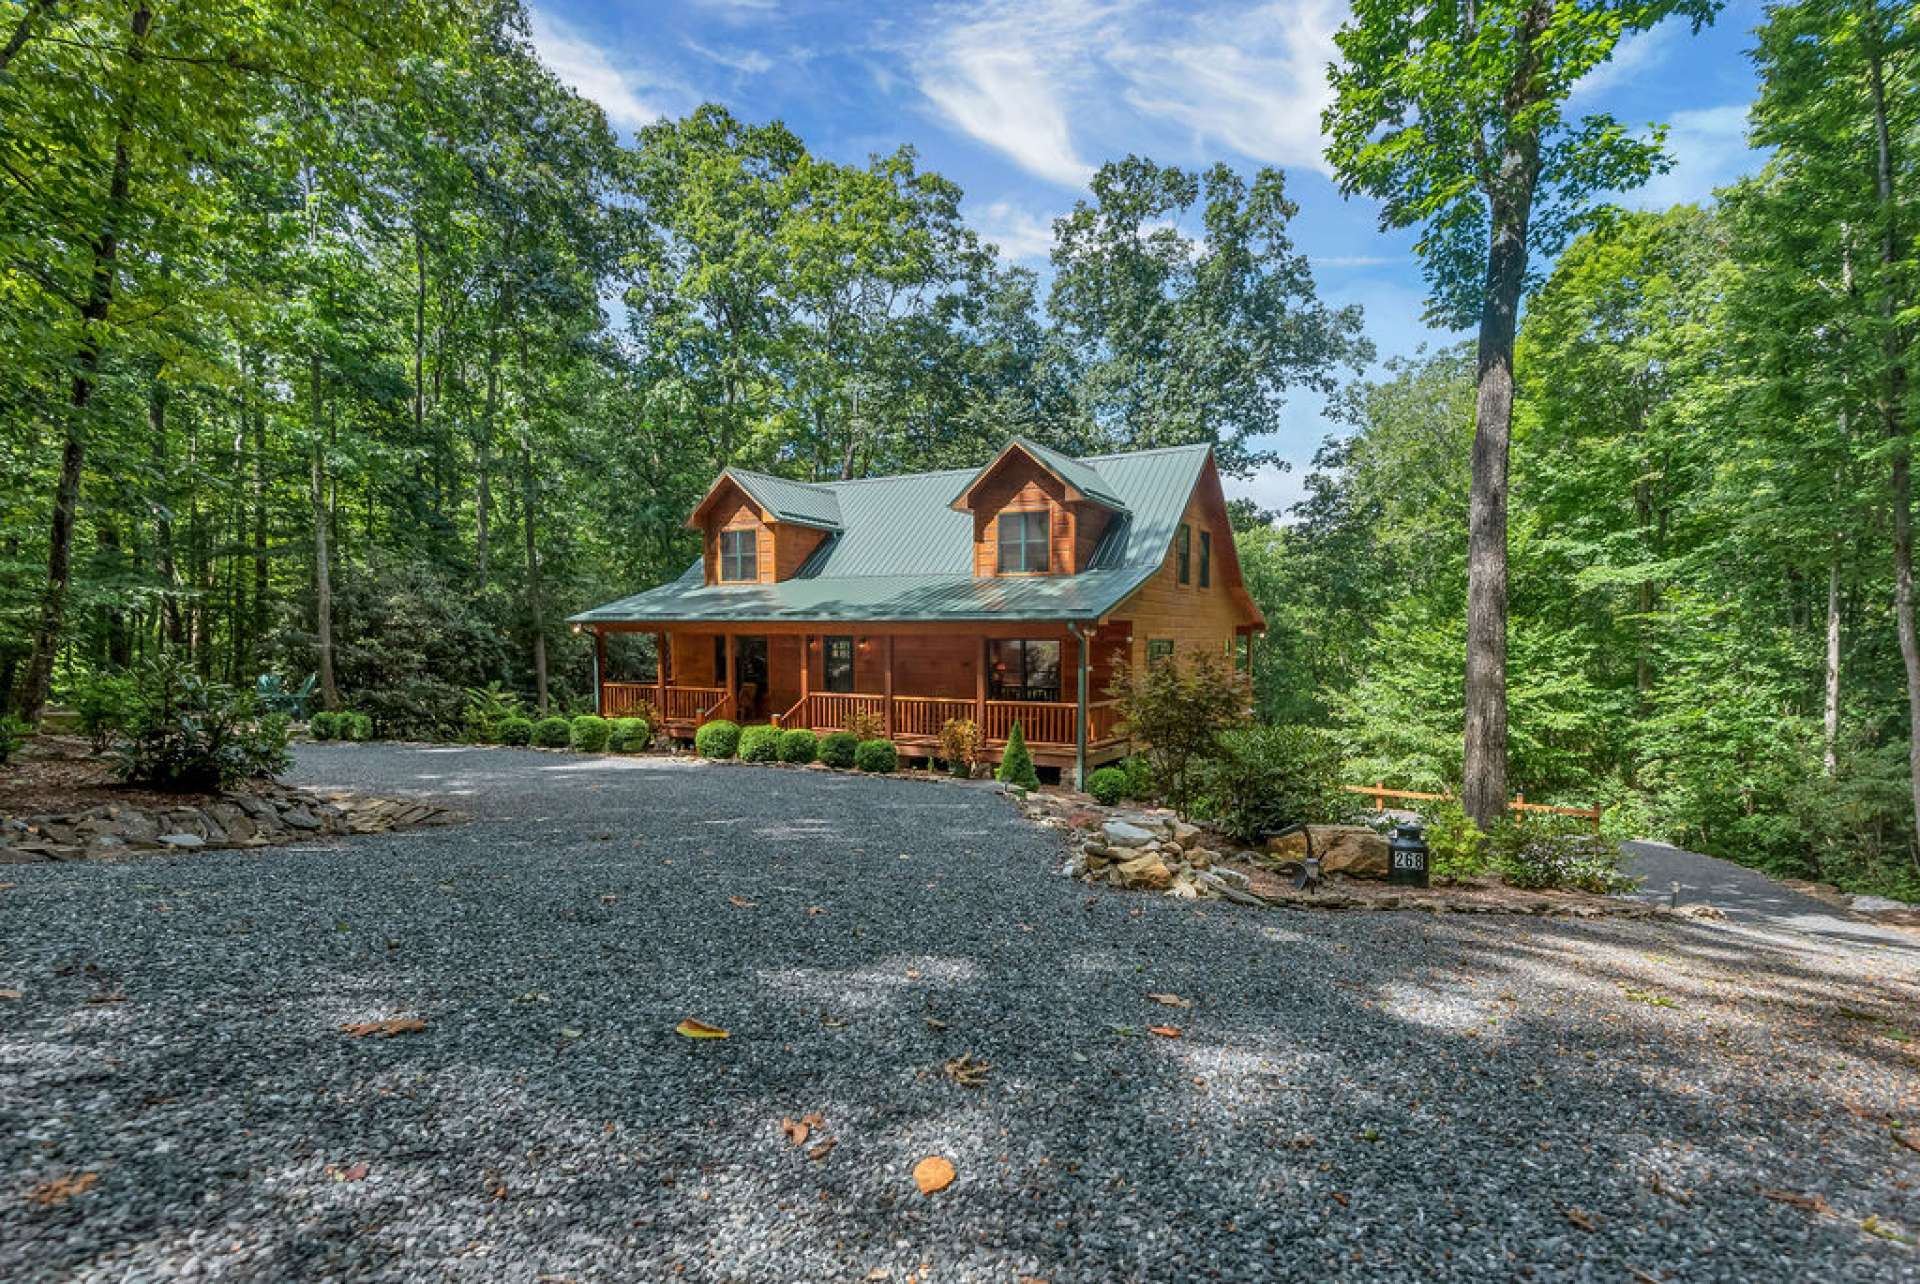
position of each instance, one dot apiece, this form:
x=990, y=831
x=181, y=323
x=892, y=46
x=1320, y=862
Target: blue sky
x=1019, y=100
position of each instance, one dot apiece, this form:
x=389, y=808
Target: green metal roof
x=902, y=553
x=1079, y=474
x=790, y=501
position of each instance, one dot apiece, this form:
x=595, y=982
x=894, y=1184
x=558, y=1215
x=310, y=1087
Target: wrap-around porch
x=909, y=683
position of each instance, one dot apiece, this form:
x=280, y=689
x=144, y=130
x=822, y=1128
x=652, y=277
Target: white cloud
x=1709, y=150
x=1008, y=73
x=1640, y=52
x=582, y=64
x=1254, y=80
x=749, y=62
x=1020, y=234
x=1271, y=488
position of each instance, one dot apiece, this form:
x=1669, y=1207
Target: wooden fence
x=1380, y=793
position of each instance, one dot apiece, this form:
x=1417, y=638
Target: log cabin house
x=1000, y=594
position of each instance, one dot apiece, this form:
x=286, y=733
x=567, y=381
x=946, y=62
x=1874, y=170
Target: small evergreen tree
x=1016, y=764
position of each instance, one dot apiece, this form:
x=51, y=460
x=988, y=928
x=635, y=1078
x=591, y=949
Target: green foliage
x=1180, y=708
x=189, y=734
x=876, y=756
x=516, y=731
x=1108, y=785
x=552, y=732
x=589, y=733
x=1539, y=854
x=102, y=701
x=837, y=749
x=1016, y=764
x=13, y=733
x=324, y=725
x=1456, y=847
x=486, y=708
x=798, y=746
x=1139, y=773
x=863, y=724
x=760, y=743
x=354, y=725
x=1258, y=780
x=717, y=739
x=629, y=735
x=960, y=744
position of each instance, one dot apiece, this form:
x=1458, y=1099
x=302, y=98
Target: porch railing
x=926, y=715
x=922, y=717
x=624, y=699
x=691, y=704
x=829, y=710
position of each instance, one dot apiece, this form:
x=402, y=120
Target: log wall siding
x=780, y=548
x=1194, y=619
x=1020, y=485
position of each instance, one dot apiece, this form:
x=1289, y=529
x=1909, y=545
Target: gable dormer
x=760, y=529
x=1036, y=512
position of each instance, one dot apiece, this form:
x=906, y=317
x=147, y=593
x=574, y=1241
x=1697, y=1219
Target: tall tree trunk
x=483, y=466
x=1893, y=394
x=172, y=628
x=322, y=555
x=536, y=596
x=1830, y=721
x=38, y=680
x=259, y=630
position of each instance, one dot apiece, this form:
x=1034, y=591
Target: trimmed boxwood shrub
x=323, y=725
x=838, y=748
x=514, y=731
x=799, y=745
x=760, y=743
x=588, y=733
x=355, y=726
x=629, y=735
x=552, y=732
x=717, y=739
x=1108, y=785
x=876, y=755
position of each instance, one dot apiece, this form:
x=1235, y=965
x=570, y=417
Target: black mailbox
x=1407, y=856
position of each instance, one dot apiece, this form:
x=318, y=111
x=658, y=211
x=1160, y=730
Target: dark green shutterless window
x=1023, y=542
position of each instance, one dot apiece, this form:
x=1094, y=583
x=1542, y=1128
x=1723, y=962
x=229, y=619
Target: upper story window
x=1183, y=554
x=1206, y=558
x=740, y=555
x=1023, y=541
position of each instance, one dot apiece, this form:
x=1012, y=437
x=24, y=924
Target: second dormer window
x=739, y=555
x=1023, y=542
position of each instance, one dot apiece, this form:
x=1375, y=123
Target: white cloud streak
x=583, y=65
x=1709, y=150
x=1019, y=234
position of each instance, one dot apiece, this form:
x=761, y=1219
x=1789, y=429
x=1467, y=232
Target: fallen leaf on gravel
x=1581, y=1219
x=966, y=1071
x=9, y=994
x=1874, y=1226
x=1171, y=1000
x=1674, y=1193
x=741, y=902
x=1906, y=1139
x=913, y=974
x=111, y=996
x=814, y=911
x=814, y=1119
x=796, y=1130
x=1338, y=1196
x=1165, y=1031
x=693, y=1029
x=1645, y=1277
x=385, y=1029
x=7, y=887
x=52, y=1194
x=824, y=1149
x=352, y=1172
x=568, y=1032
x=935, y=1023
x=1812, y=1203
x=879, y=1273
x=932, y=1173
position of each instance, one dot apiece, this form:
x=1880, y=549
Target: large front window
x=740, y=555
x=1023, y=541
x=1020, y=669
x=837, y=665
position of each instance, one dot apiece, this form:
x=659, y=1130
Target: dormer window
x=739, y=555
x=1023, y=539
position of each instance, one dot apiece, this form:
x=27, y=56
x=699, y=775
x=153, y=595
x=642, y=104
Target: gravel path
x=1353, y=1097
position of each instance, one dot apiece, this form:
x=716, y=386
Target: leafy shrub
x=876, y=756
x=1261, y=779
x=864, y=724
x=13, y=733
x=960, y=743
x=838, y=749
x=799, y=745
x=487, y=707
x=717, y=739
x=1108, y=785
x=516, y=731
x=187, y=733
x=1016, y=764
x=552, y=732
x=103, y=702
x=1539, y=854
x=1456, y=847
x=1139, y=773
x=324, y=725
x=356, y=726
x=589, y=732
x=1181, y=709
x=629, y=735
x=760, y=743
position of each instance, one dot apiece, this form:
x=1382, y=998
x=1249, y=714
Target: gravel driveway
x=1354, y=1097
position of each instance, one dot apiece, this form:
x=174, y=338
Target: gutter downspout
x=1080, y=721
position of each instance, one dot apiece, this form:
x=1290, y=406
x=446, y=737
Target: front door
x=750, y=663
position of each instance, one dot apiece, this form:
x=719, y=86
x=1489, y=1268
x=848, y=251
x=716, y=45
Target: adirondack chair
x=276, y=697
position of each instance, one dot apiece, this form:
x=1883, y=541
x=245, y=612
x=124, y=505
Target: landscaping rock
x=1147, y=871
x=1120, y=833
x=183, y=840
x=1353, y=850
x=1185, y=835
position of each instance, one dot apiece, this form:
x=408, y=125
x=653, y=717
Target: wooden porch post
x=1080, y=718
x=806, y=681
x=980, y=692
x=600, y=672
x=888, y=718
x=733, y=687
x=660, y=675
